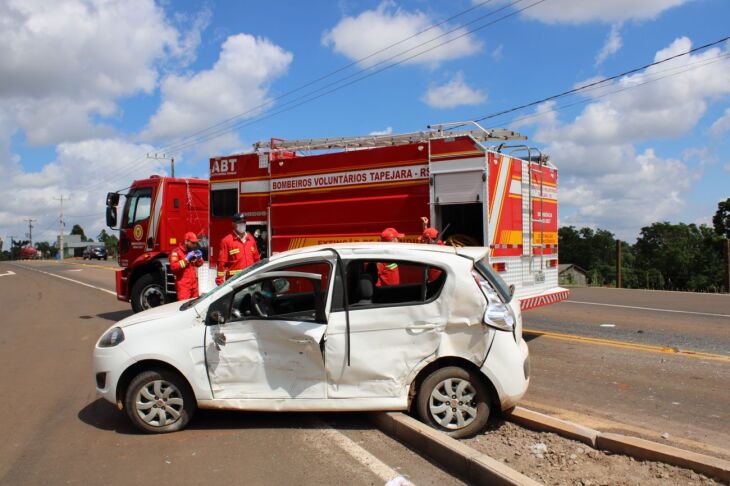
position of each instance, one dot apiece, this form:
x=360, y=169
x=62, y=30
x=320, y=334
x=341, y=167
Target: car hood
x=153, y=314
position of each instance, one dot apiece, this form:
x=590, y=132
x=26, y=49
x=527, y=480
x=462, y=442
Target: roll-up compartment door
x=459, y=187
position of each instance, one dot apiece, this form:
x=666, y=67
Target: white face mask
x=241, y=228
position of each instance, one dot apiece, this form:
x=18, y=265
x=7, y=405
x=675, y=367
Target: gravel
x=554, y=460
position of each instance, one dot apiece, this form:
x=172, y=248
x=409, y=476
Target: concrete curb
x=623, y=444
x=546, y=423
x=456, y=457
x=654, y=451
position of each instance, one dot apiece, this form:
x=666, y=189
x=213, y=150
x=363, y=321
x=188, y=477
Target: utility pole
x=727, y=265
x=157, y=156
x=12, y=241
x=63, y=225
x=30, y=229
x=618, y=264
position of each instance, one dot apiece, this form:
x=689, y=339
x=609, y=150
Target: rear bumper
x=552, y=296
x=507, y=367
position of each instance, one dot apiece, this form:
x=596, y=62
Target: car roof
x=401, y=249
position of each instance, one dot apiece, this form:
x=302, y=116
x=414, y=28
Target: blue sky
x=89, y=87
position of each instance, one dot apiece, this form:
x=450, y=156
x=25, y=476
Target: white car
x=440, y=334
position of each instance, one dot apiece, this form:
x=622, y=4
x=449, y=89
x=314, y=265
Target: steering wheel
x=261, y=304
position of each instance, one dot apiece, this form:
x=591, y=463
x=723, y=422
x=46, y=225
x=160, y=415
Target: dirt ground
x=554, y=460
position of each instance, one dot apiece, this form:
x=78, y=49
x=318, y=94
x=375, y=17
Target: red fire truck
x=352, y=188
x=157, y=212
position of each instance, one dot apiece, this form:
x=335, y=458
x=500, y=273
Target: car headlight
x=113, y=337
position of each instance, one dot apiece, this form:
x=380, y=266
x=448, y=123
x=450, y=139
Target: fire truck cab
x=318, y=191
x=157, y=212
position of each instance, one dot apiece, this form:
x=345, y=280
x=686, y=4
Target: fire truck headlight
x=113, y=337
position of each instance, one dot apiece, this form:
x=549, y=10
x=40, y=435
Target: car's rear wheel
x=455, y=401
x=159, y=401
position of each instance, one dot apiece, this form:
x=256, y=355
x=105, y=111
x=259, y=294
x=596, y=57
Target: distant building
x=570, y=274
x=72, y=245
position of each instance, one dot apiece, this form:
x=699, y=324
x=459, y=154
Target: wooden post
x=618, y=264
x=727, y=265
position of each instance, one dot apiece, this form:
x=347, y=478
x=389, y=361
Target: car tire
x=147, y=292
x=444, y=411
x=159, y=401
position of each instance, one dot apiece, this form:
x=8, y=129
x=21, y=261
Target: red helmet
x=389, y=234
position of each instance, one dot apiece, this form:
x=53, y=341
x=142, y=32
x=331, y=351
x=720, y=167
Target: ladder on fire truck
x=532, y=186
x=371, y=141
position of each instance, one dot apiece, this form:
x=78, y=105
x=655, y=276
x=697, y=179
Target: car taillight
x=498, y=314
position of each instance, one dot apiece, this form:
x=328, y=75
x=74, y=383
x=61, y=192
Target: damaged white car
x=320, y=329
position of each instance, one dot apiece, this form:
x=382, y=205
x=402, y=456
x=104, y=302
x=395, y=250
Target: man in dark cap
x=237, y=251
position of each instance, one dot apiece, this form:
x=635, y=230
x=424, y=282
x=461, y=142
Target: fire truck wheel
x=147, y=292
x=455, y=401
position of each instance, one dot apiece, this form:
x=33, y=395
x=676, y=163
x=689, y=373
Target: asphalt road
x=611, y=362
x=55, y=430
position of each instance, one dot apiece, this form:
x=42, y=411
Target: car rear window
x=485, y=268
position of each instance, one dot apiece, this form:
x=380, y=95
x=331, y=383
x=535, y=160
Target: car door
x=269, y=344
x=392, y=329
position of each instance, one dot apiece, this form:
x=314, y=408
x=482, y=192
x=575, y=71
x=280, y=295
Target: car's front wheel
x=455, y=401
x=159, y=401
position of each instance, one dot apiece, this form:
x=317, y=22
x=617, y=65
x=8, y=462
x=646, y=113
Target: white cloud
x=721, y=125
x=497, y=53
x=454, y=93
x=572, y=11
x=611, y=46
x=605, y=180
x=360, y=36
x=387, y=131
x=85, y=171
x=66, y=62
x=238, y=82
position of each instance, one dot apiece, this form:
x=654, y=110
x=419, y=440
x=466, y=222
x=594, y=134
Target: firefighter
x=183, y=261
x=388, y=273
x=238, y=251
x=430, y=237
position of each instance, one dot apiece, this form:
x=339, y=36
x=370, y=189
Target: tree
x=78, y=230
x=721, y=220
x=593, y=250
x=46, y=249
x=110, y=242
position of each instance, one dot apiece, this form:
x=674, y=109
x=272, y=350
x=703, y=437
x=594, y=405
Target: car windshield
x=485, y=268
x=214, y=290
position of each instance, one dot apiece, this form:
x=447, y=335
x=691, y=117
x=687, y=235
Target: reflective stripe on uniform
x=391, y=266
x=220, y=274
x=233, y=272
x=234, y=251
x=182, y=263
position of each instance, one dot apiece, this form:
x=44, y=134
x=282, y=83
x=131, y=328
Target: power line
x=180, y=146
x=602, y=81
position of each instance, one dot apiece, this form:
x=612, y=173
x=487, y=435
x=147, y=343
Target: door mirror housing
x=111, y=216
x=215, y=318
x=112, y=199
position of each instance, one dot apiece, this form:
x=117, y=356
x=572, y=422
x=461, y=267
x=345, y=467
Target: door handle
x=300, y=341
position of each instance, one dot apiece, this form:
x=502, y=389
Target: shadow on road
x=104, y=416
x=115, y=315
x=529, y=336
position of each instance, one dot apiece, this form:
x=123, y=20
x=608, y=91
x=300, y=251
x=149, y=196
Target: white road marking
x=375, y=465
x=69, y=279
x=7, y=274
x=647, y=308
x=607, y=325
x=74, y=270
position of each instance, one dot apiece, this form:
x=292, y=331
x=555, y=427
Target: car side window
x=296, y=297
x=389, y=283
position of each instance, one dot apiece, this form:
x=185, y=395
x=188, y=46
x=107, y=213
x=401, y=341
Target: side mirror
x=111, y=216
x=512, y=290
x=216, y=318
x=112, y=199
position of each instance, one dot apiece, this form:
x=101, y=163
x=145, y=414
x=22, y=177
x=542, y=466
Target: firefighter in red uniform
x=388, y=273
x=183, y=261
x=238, y=251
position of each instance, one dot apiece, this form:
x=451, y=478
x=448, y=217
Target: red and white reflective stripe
x=544, y=299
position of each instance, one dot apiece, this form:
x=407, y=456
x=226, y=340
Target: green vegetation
x=665, y=256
